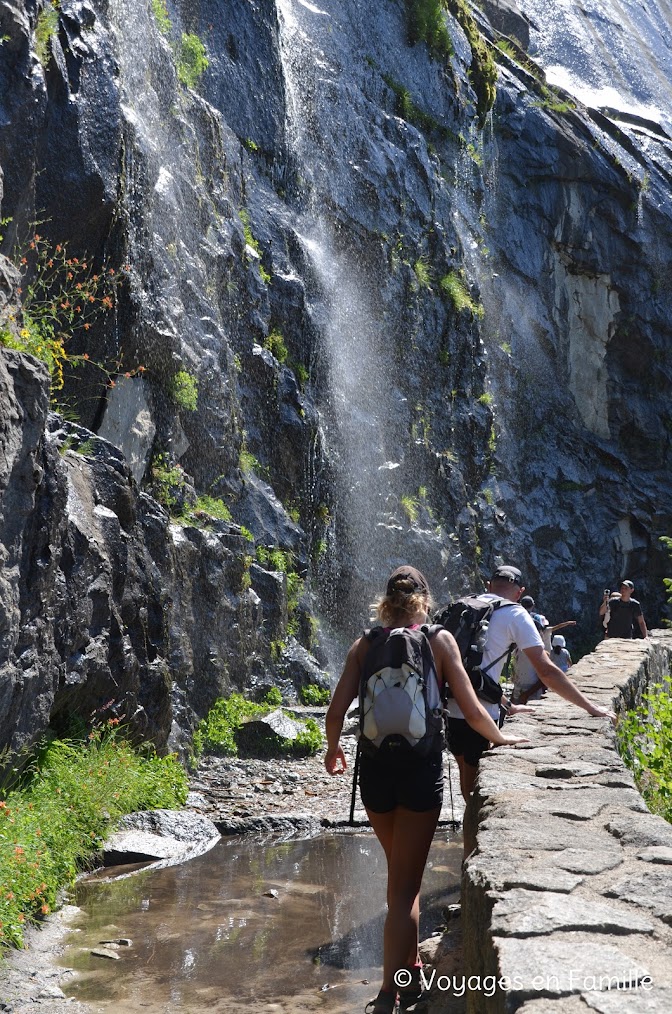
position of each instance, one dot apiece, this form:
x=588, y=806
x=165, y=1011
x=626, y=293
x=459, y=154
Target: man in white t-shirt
x=510, y=626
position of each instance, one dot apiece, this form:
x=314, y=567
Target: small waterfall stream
x=357, y=400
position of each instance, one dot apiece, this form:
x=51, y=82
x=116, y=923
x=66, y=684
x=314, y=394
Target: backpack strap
x=501, y=603
x=506, y=654
x=373, y=632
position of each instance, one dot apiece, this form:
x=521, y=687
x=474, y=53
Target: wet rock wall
x=107, y=608
x=566, y=896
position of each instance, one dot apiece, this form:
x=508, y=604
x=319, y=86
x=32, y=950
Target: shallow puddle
x=260, y=927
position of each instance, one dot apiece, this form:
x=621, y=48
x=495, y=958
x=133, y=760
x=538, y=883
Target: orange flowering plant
x=61, y=296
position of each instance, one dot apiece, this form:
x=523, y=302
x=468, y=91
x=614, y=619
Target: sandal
x=384, y=1003
x=414, y=999
x=413, y=1002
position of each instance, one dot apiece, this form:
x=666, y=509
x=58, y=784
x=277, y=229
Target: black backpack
x=468, y=620
x=400, y=702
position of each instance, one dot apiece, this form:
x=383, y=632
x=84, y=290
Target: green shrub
x=191, y=60
x=423, y=273
x=244, y=217
x=411, y=507
x=248, y=463
x=275, y=344
x=553, y=102
x=483, y=70
x=51, y=827
x=409, y=111
x=183, y=390
x=645, y=743
x=667, y=581
x=309, y=741
x=506, y=46
x=46, y=27
x=427, y=23
x=458, y=294
x=160, y=12
x=273, y=697
x=314, y=696
x=282, y=560
x=213, y=507
x=300, y=372
x=216, y=733
x=167, y=482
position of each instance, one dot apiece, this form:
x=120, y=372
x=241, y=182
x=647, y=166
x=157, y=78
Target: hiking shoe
x=384, y=1003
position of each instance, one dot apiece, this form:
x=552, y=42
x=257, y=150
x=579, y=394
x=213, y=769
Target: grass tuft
x=66, y=804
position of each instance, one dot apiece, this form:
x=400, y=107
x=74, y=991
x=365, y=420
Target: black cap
x=627, y=584
x=510, y=574
x=404, y=575
x=527, y=601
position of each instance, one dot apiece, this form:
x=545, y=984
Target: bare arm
x=561, y=626
x=642, y=625
x=346, y=690
x=555, y=679
x=451, y=671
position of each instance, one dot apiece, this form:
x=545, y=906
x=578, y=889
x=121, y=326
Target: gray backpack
x=399, y=698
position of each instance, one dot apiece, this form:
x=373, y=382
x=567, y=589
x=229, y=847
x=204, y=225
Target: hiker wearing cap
x=559, y=653
x=401, y=789
x=510, y=626
x=624, y=611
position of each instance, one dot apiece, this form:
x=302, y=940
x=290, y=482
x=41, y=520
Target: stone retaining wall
x=568, y=893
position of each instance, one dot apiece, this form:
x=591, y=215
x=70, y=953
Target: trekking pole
x=450, y=787
x=354, y=785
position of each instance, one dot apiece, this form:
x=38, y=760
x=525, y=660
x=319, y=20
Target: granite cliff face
x=420, y=330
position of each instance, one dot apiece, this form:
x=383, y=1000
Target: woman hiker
x=401, y=791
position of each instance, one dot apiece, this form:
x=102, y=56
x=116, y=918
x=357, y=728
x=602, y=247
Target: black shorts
x=398, y=777
x=463, y=741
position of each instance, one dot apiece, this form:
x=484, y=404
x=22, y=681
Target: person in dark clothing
x=624, y=612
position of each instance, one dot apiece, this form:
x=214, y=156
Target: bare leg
x=467, y=776
x=405, y=837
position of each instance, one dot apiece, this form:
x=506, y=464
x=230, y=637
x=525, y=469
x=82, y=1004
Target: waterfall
x=357, y=399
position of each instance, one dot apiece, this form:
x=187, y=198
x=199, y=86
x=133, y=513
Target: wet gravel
x=241, y=795
x=255, y=795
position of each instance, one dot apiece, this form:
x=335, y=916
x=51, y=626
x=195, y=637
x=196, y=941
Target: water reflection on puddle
x=206, y=937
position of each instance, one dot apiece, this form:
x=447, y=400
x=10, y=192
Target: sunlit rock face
x=415, y=338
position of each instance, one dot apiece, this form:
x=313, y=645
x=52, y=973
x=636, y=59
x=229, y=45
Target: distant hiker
x=526, y=684
x=510, y=625
x=401, y=774
x=624, y=612
x=546, y=629
x=559, y=653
